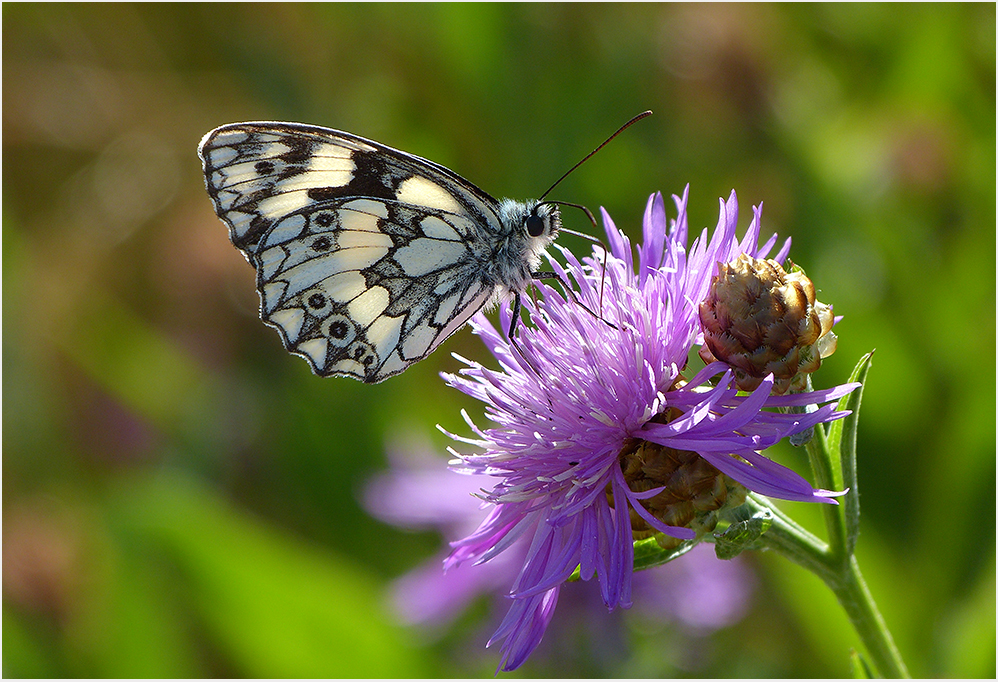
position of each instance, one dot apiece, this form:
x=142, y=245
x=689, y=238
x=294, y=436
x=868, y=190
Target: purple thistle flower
x=582, y=389
x=699, y=594
x=417, y=492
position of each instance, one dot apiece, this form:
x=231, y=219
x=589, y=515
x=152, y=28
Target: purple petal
x=523, y=628
x=620, y=247
x=766, y=477
x=652, y=250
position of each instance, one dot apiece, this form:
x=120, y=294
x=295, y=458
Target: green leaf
x=648, y=554
x=860, y=668
x=842, y=442
x=742, y=535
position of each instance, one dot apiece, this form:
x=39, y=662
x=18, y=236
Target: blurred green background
x=180, y=496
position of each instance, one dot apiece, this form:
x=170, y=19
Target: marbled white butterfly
x=367, y=258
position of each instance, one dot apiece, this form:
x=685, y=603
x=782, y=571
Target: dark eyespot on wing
x=321, y=244
x=325, y=218
x=338, y=329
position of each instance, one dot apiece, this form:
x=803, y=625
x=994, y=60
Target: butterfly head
x=528, y=229
x=530, y=225
x=543, y=222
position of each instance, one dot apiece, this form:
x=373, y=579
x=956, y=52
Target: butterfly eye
x=535, y=225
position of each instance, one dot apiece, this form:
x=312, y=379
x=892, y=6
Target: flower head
x=699, y=594
x=580, y=393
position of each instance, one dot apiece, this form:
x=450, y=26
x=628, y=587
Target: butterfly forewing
x=367, y=258
x=259, y=172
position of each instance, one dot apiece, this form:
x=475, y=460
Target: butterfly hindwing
x=367, y=258
x=365, y=287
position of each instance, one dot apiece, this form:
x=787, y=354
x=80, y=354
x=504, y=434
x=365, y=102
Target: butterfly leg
x=512, y=338
x=568, y=290
x=515, y=318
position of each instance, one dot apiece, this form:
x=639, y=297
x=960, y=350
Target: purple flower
x=579, y=389
x=418, y=492
x=700, y=593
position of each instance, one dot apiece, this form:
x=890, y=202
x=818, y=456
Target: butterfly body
x=367, y=257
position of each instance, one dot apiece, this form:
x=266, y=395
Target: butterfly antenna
x=592, y=219
x=589, y=213
x=594, y=240
x=605, y=142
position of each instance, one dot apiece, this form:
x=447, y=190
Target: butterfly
x=367, y=258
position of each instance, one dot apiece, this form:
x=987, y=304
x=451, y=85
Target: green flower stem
x=832, y=455
x=792, y=541
x=829, y=477
x=842, y=576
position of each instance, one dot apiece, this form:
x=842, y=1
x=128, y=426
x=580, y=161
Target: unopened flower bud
x=759, y=319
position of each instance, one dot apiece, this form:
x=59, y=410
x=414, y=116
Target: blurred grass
x=180, y=495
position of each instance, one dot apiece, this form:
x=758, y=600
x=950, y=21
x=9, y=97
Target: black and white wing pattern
x=367, y=257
